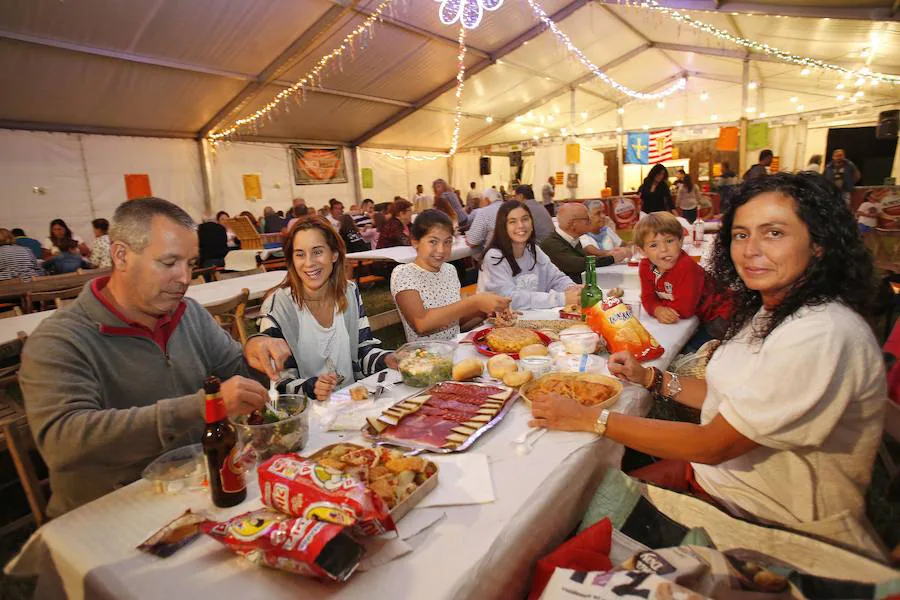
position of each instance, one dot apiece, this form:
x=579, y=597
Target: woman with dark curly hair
x=793, y=400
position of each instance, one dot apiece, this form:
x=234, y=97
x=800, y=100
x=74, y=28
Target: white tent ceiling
x=169, y=67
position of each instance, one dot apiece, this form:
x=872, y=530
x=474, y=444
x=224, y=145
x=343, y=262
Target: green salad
x=421, y=368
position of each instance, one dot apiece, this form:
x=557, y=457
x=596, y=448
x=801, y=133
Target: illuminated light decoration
x=679, y=123
x=489, y=120
x=467, y=12
x=584, y=60
x=800, y=108
x=704, y=95
x=621, y=110
x=805, y=72
x=751, y=109
x=660, y=104
x=840, y=96
x=618, y=130
x=312, y=78
x=752, y=85
x=645, y=127
x=714, y=117
x=762, y=115
x=457, y=114
x=839, y=86
x=794, y=99
x=755, y=46
x=584, y=115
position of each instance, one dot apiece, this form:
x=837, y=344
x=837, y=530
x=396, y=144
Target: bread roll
x=467, y=369
x=517, y=378
x=533, y=350
x=500, y=365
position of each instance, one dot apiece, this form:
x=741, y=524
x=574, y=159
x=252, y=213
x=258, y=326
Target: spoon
x=523, y=449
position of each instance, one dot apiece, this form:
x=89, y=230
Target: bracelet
x=656, y=385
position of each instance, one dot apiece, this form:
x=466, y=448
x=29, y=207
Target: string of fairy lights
x=469, y=13
x=539, y=12
x=788, y=57
x=312, y=78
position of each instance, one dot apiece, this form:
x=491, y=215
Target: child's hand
x=489, y=303
x=573, y=295
x=615, y=293
x=665, y=315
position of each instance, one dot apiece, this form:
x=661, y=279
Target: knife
x=380, y=388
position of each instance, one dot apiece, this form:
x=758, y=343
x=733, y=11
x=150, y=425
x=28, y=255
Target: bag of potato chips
x=614, y=320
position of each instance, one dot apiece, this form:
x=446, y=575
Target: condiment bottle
x=226, y=479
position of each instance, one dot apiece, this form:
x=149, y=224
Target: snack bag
x=614, y=320
x=305, y=488
x=303, y=546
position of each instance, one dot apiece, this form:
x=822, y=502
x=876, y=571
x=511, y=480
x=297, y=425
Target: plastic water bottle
x=698, y=232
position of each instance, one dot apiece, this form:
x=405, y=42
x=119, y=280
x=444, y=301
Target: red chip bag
x=303, y=488
x=614, y=320
x=273, y=539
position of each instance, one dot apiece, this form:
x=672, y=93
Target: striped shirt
x=18, y=261
x=281, y=319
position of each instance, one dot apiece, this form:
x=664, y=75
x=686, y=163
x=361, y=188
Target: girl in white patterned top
x=427, y=291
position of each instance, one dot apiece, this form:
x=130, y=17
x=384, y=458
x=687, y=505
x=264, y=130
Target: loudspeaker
x=515, y=159
x=888, y=122
x=484, y=165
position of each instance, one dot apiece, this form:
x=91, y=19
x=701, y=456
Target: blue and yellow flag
x=637, y=149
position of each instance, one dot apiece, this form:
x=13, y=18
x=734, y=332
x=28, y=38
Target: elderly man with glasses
x=563, y=246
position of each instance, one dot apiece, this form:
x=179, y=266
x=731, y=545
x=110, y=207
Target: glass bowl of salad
x=264, y=433
x=426, y=363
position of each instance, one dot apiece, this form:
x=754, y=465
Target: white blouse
x=435, y=289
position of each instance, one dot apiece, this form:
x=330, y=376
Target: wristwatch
x=600, y=423
x=674, y=387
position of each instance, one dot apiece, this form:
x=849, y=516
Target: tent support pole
x=205, y=174
x=620, y=153
x=742, y=152
x=357, y=176
x=572, y=167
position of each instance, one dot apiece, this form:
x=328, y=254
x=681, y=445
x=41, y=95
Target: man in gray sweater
x=116, y=379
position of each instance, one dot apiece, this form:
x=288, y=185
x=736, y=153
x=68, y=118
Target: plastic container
x=556, y=349
x=425, y=363
x=267, y=439
x=179, y=470
x=538, y=365
x=579, y=342
x=579, y=363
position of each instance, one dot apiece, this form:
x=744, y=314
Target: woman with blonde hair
x=317, y=307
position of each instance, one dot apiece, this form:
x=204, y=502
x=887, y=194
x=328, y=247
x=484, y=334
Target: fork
x=332, y=368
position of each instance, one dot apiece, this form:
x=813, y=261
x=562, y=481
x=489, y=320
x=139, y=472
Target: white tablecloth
x=204, y=293
x=477, y=551
x=245, y=260
x=407, y=254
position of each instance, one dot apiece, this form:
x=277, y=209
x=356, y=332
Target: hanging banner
x=368, y=178
x=559, y=178
x=717, y=169
x=637, y=149
x=573, y=154
x=572, y=181
x=775, y=166
x=757, y=136
x=137, y=185
x=728, y=139
x=660, y=146
x=314, y=166
x=252, y=186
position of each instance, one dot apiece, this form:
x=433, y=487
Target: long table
x=407, y=254
x=481, y=551
x=205, y=293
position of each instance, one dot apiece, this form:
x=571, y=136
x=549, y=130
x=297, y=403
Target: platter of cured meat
x=446, y=417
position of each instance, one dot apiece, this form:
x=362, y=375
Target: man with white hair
x=563, y=246
x=116, y=379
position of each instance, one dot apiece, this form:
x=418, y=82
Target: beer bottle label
x=230, y=473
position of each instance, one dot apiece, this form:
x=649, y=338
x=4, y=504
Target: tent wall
x=548, y=160
x=399, y=177
x=273, y=163
x=81, y=177
x=466, y=169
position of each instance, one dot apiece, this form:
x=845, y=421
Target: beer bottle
x=226, y=478
x=590, y=293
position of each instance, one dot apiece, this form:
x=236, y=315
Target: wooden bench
x=17, y=288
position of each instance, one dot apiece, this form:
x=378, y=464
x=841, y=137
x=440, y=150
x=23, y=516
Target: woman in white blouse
x=793, y=401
